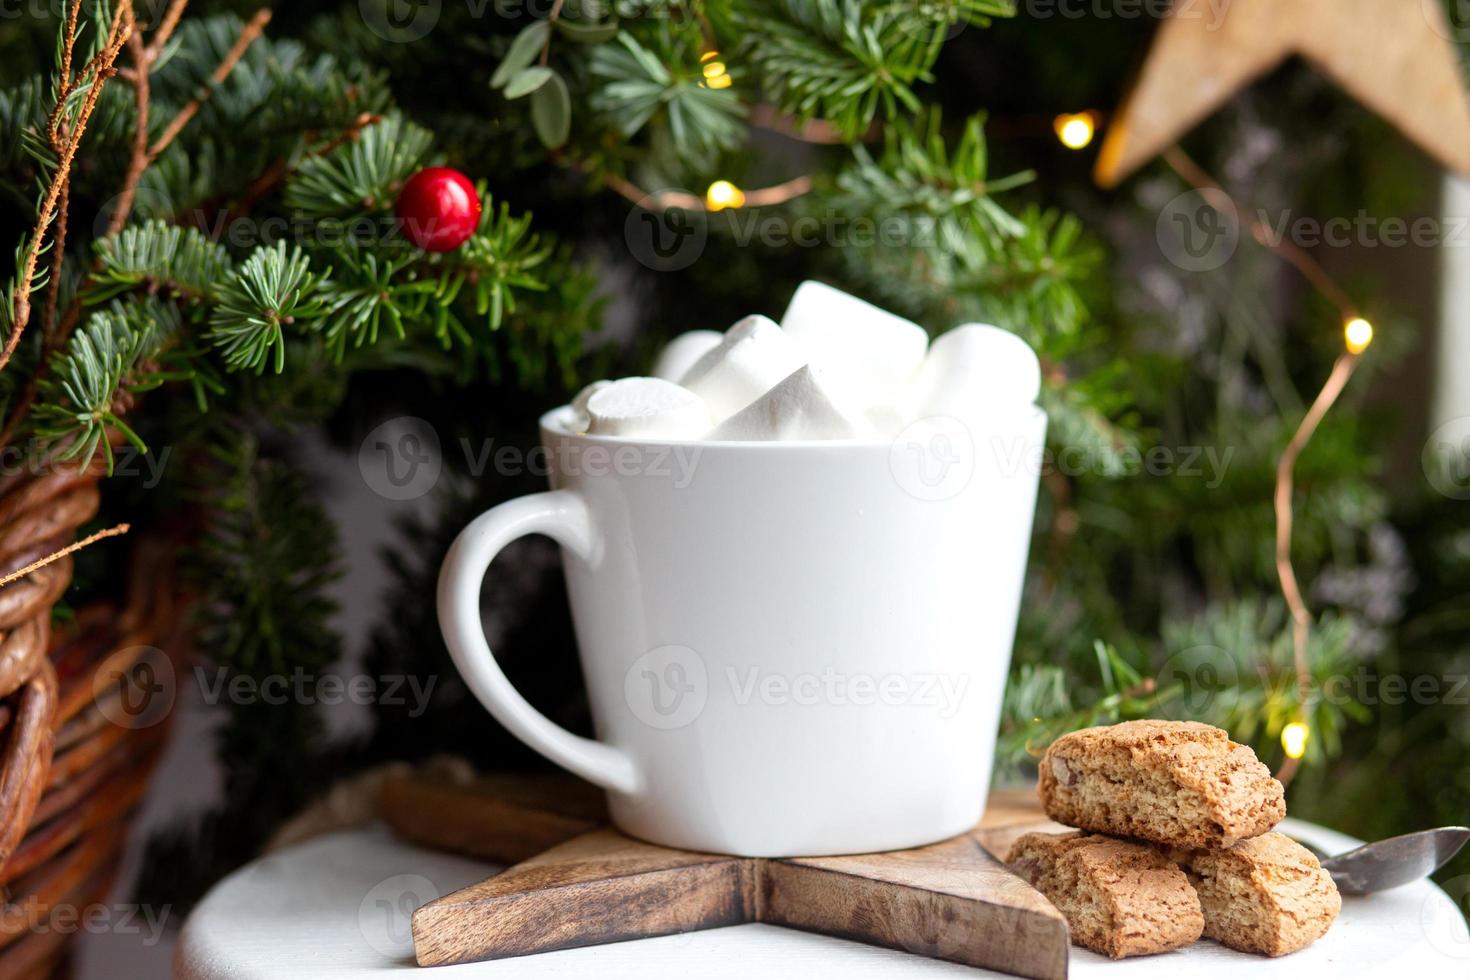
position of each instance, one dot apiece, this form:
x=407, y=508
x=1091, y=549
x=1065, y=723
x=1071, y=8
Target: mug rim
x=549, y=427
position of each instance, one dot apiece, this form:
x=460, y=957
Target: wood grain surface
x=598, y=888
x=503, y=818
x=1393, y=56
x=950, y=901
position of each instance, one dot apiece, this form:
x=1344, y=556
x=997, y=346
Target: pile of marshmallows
x=835, y=368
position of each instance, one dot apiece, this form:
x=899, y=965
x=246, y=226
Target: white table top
x=337, y=908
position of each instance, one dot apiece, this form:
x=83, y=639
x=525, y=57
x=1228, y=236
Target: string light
x=716, y=75
x=1358, y=333
x=1075, y=129
x=722, y=194
x=1294, y=739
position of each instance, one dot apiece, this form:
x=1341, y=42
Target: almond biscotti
x=1265, y=895
x=1120, y=898
x=1177, y=783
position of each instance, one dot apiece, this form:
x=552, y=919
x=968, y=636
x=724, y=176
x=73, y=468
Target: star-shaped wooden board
x=575, y=881
x=1397, y=57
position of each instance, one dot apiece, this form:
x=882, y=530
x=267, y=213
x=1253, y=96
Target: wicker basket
x=76, y=762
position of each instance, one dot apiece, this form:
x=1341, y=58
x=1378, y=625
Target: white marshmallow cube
x=867, y=355
x=973, y=371
x=649, y=408
x=752, y=358
x=679, y=354
x=580, y=419
x=797, y=408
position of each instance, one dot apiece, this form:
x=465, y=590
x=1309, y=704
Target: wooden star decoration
x=1393, y=56
x=574, y=881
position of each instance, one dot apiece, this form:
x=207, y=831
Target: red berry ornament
x=439, y=209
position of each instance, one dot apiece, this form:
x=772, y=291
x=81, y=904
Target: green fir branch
x=848, y=61
x=271, y=290
x=165, y=258
x=665, y=87
x=361, y=175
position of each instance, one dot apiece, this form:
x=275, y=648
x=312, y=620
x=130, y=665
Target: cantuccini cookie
x=1265, y=895
x=1178, y=783
x=1120, y=898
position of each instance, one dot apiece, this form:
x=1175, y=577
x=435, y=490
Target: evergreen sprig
x=501, y=257
x=103, y=359
x=664, y=86
x=160, y=257
x=271, y=290
x=847, y=61
x=362, y=175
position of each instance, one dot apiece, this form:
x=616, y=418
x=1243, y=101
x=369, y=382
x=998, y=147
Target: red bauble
x=439, y=209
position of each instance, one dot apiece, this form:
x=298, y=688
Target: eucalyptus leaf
x=523, y=51
x=551, y=111
x=588, y=33
x=528, y=80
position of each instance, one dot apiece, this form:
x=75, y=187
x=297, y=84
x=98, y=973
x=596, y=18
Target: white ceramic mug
x=790, y=648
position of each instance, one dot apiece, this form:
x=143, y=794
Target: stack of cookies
x=1174, y=843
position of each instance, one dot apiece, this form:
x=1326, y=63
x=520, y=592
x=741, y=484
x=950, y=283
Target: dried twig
x=1299, y=257
x=1342, y=372
x=99, y=68
x=75, y=546
x=758, y=197
x=252, y=30
x=1301, y=617
x=551, y=25
x=165, y=29
x=138, y=159
x=818, y=131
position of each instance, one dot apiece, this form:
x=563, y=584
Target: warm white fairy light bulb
x=1358, y=334
x=1075, y=130
x=722, y=194
x=1294, y=739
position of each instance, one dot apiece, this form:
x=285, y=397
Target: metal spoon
x=1396, y=861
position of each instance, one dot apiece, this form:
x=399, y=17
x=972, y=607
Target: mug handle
x=563, y=516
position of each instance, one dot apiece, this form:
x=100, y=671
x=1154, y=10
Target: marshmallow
x=974, y=370
x=649, y=408
x=797, y=408
x=752, y=357
x=868, y=355
x=679, y=354
x=580, y=418
x=887, y=420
